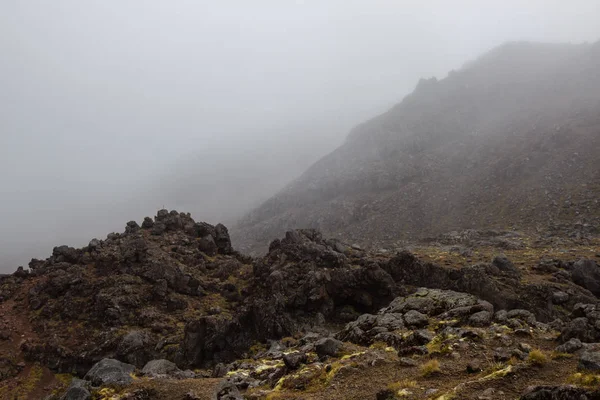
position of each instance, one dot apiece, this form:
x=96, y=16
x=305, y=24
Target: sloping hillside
x=511, y=140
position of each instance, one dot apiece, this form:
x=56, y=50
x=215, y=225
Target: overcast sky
x=99, y=98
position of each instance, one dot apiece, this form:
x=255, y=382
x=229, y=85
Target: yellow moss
x=64, y=379
x=556, y=355
x=289, y=341
x=257, y=348
x=438, y=345
x=106, y=394
x=207, y=257
x=399, y=386
x=446, y=396
x=268, y=365
x=238, y=371
x=348, y=356
x=403, y=393
x=309, y=378
x=378, y=345
x=430, y=368
x=501, y=373
x=497, y=366
x=274, y=395
x=442, y=323
x=537, y=357
x=584, y=379
x=279, y=384
x=30, y=383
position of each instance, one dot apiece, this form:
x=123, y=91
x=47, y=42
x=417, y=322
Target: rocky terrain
x=169, y=310
x=509, y=141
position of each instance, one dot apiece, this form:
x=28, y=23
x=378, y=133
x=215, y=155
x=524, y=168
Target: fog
x=110, y=110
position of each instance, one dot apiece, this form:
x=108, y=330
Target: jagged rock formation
x=171, y=296
x=509, y=140
x=156, y=304
x=150, y=279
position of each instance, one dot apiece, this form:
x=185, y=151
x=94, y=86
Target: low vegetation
x=430, y=368
x=537, y=357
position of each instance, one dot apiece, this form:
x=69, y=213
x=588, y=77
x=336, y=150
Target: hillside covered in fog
x=511, y=140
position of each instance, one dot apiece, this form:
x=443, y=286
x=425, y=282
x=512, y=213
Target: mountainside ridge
x=509, y=140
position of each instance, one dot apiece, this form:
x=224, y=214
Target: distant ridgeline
x=511, y=140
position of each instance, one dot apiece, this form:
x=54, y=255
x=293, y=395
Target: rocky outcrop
x=145, y=279
x=561, y=393
x=305, y=279
x=497, y=282
x=584, y=324
x=302, y=283
x=175, y=297
x=425, y=308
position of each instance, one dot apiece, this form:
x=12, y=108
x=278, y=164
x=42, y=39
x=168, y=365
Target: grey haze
x=110, y=110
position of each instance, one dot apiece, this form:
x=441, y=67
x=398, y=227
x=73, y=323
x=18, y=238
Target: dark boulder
x=66, y=254
x=589, y=361
x=21, y=273
x=227, y=390
x=77, y=390
x=207, y=245
x=156, y=368
x=415, y=319
x=505, y=266
x=213, y=339
x=110, y=372
x=586, y=273
x=481, y=318
x=136, y=347
x=132, y=227
x=571, y=346
x=148, y=223
x=584, y=324
x=222, y=239
x=294, y=360
x=523, y=315
x=328, y=347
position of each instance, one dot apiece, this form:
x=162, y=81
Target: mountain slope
x=510, y=140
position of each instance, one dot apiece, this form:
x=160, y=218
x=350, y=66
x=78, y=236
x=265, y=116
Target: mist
x=111, y=110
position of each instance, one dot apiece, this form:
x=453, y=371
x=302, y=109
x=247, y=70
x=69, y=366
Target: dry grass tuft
x=584, y=379
x=560, y=356
x=537, y=357
x=403, y=384
x=430, y=368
